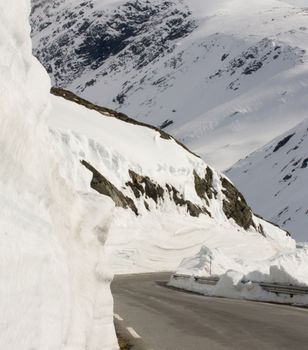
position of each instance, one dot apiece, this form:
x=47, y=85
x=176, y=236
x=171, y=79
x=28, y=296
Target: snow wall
x=54, y=280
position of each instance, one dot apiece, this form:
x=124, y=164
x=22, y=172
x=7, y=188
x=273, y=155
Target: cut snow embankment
x=54, y=278
x=240, y=278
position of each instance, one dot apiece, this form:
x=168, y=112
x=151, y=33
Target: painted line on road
x=133, y=333
x=118, y=317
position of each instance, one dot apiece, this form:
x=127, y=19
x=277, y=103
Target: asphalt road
x=169, y=319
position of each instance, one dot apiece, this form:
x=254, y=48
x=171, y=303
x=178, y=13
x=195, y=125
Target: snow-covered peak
x=274, y=179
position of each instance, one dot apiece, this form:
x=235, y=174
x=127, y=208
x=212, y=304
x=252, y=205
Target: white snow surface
x=231, y=82
x=54, y=278
x=274, y=181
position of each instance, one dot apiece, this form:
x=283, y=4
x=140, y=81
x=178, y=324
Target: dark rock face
x=283, y=142
x=305, y=163
x=166, y=123
x=136, y=30
x=143, y=185
x=193, y=209
x=100, y=184
x=204, y=187
x=235, y=206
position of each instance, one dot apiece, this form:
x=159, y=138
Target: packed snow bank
x=239, y=278
x=54, y=278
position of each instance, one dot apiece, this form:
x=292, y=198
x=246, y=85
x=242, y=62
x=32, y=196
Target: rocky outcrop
x=100, y=184
x=204, y=187
x=283, y=142
x=144, y=186
x=193, y=209
x=235, y=206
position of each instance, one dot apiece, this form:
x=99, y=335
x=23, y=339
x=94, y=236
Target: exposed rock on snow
x=235, y=206
x=205, y=187
x=100, y=184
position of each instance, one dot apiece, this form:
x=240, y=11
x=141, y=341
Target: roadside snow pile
x=239, y=278
x=54, y=284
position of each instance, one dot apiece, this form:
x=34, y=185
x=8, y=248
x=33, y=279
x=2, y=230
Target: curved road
x=169, y=319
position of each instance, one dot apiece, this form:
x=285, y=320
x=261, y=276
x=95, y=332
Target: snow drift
x=54, y=282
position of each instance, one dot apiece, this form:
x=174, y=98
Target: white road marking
x=133, y=333
x=118, y=317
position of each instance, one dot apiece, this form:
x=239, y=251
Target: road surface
x=156, y=317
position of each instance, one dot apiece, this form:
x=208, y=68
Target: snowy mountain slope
x=54, y=282
x=169, y=202
x=274, y=179
x=224, y=78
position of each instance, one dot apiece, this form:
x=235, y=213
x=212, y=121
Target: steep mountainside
x=274, y=179
x=168, y=201
x=224, y=77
